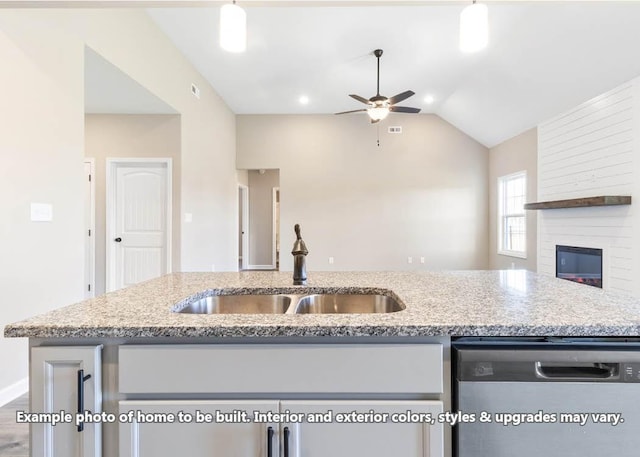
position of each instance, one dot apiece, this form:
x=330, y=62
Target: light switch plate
x=188, y=217
x=41, y=212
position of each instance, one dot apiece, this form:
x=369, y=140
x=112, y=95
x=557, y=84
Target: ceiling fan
x=379, y=105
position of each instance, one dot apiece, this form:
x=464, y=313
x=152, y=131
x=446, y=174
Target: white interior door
x=275, y=257
x=243, y=222
x=89, y=221
x=139, y=230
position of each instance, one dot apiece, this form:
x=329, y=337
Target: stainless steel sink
x=347, y=303
x=292, y=304
x=239, y=304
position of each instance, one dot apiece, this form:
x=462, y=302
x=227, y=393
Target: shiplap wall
x=588, y=151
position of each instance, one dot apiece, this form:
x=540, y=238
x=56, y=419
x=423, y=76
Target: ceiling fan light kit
x=378, y=113
x=474, y=27
x=233, y=28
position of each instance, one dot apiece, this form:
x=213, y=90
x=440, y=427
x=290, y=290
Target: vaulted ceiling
x=542, y=58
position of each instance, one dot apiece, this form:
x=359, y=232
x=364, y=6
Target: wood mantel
x=607, y=200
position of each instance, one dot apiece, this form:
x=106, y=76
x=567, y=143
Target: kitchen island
x=462, y=303
x=128, y=355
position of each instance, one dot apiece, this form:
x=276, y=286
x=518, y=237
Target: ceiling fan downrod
x=378, y=54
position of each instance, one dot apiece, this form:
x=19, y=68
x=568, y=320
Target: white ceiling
x=108, y=90
x=543, y=58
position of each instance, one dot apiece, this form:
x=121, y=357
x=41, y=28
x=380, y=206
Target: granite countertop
x=456, y=303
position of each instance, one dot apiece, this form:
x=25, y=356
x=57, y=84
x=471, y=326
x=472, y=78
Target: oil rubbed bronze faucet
x=299, y=252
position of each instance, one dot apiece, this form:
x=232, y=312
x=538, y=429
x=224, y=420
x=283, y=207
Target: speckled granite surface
x=492, y=303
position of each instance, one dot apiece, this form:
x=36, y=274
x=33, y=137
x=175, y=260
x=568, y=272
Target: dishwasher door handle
x=575, y=370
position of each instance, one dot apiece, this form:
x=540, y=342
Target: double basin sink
x=292, y=304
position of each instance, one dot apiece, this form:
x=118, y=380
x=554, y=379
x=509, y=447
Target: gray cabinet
x=372, y=369
x=62, y=379
x=400, y=429
x=301, y=379
x=166, y=428
x=215, y=428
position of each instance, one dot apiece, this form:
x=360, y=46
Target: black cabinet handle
x=270, y=442
x=81, y=379
x=117, y=240
x=286, y=432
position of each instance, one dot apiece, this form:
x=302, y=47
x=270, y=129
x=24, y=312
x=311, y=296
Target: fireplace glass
x=583, y=265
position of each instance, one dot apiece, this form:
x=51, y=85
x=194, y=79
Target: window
x=512, y=220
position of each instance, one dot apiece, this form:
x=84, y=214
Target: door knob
x=117, y=240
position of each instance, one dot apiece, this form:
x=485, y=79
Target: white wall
x=41, y=156
x=519, y=153
x=261, y=217
x=130, y=135
x=588, y=151
x=42, y=141
x=421, y=193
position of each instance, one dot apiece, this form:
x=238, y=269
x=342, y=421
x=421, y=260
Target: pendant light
x=233, y=28
x=474, y=27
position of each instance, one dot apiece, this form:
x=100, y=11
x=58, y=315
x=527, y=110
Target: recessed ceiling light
x=303, y=100
x=429, y=99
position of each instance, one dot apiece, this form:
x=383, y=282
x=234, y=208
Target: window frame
x=502, y=203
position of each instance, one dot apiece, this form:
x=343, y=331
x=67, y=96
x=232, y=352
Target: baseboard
x=261, y=267
x=10, y=393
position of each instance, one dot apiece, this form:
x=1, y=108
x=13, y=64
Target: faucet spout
x=299, y=252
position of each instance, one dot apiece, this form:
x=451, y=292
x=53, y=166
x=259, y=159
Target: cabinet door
x=226, y=436
x=383, y=439
x=54, y=376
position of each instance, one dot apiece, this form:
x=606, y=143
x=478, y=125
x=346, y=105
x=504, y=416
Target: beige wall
x=42, y=144
x=243, y=177
x=517, y=154
x=421, y=193
x=209, y=181
x=140, y=136
x=41, y=160
x=261, y=216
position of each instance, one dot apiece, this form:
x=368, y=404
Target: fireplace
x=582, y=265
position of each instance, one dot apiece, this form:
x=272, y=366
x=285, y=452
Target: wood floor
x=14, y=438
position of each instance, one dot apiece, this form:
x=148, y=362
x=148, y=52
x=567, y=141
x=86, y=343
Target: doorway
x=138, y=235
x=260, y=214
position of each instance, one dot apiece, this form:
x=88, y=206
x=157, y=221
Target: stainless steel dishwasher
x=547, y=397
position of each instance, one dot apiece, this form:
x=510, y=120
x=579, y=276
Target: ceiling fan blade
x=404, y=109
x=403, y=96
x=360, y=99
x=352, y=111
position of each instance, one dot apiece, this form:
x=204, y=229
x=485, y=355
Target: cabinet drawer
x=313, y=368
